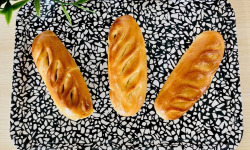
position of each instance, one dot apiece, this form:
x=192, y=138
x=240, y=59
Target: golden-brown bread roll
x=61, y=76
x=127, y=66
x=191, y=77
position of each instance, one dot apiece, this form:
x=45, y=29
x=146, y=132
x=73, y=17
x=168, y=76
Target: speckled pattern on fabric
x=169, y=27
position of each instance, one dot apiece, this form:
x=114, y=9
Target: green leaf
x=81, y=1
x=37, y=6
x=67, y=15
x=19, y=4
x=1, y=11
x=2, y=2
x=83, y=8
x=8, y=12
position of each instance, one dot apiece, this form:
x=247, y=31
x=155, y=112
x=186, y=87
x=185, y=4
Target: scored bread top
x=61, y=76
x=127, y=66
x=191, y=77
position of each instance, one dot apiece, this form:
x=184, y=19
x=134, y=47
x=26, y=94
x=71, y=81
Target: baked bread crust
x=191, y=77
x=61, y=76
x=127, y=66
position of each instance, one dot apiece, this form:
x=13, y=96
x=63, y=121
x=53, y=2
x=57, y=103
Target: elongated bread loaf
x=127, y=66
x=61, y=76
x=191, y=77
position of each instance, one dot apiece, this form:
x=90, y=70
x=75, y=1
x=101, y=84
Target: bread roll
x=191, y=77
x=127, y=66
x=61, y=76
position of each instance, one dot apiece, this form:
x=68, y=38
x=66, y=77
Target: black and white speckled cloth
x=169, y=27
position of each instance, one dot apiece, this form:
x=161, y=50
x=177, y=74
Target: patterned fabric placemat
x=169, y=27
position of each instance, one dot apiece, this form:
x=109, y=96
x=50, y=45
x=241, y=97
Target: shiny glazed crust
x=127, y=66
x=61, y=76
x=191, y=77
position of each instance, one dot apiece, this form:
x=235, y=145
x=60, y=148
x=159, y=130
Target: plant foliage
x=8, y=6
